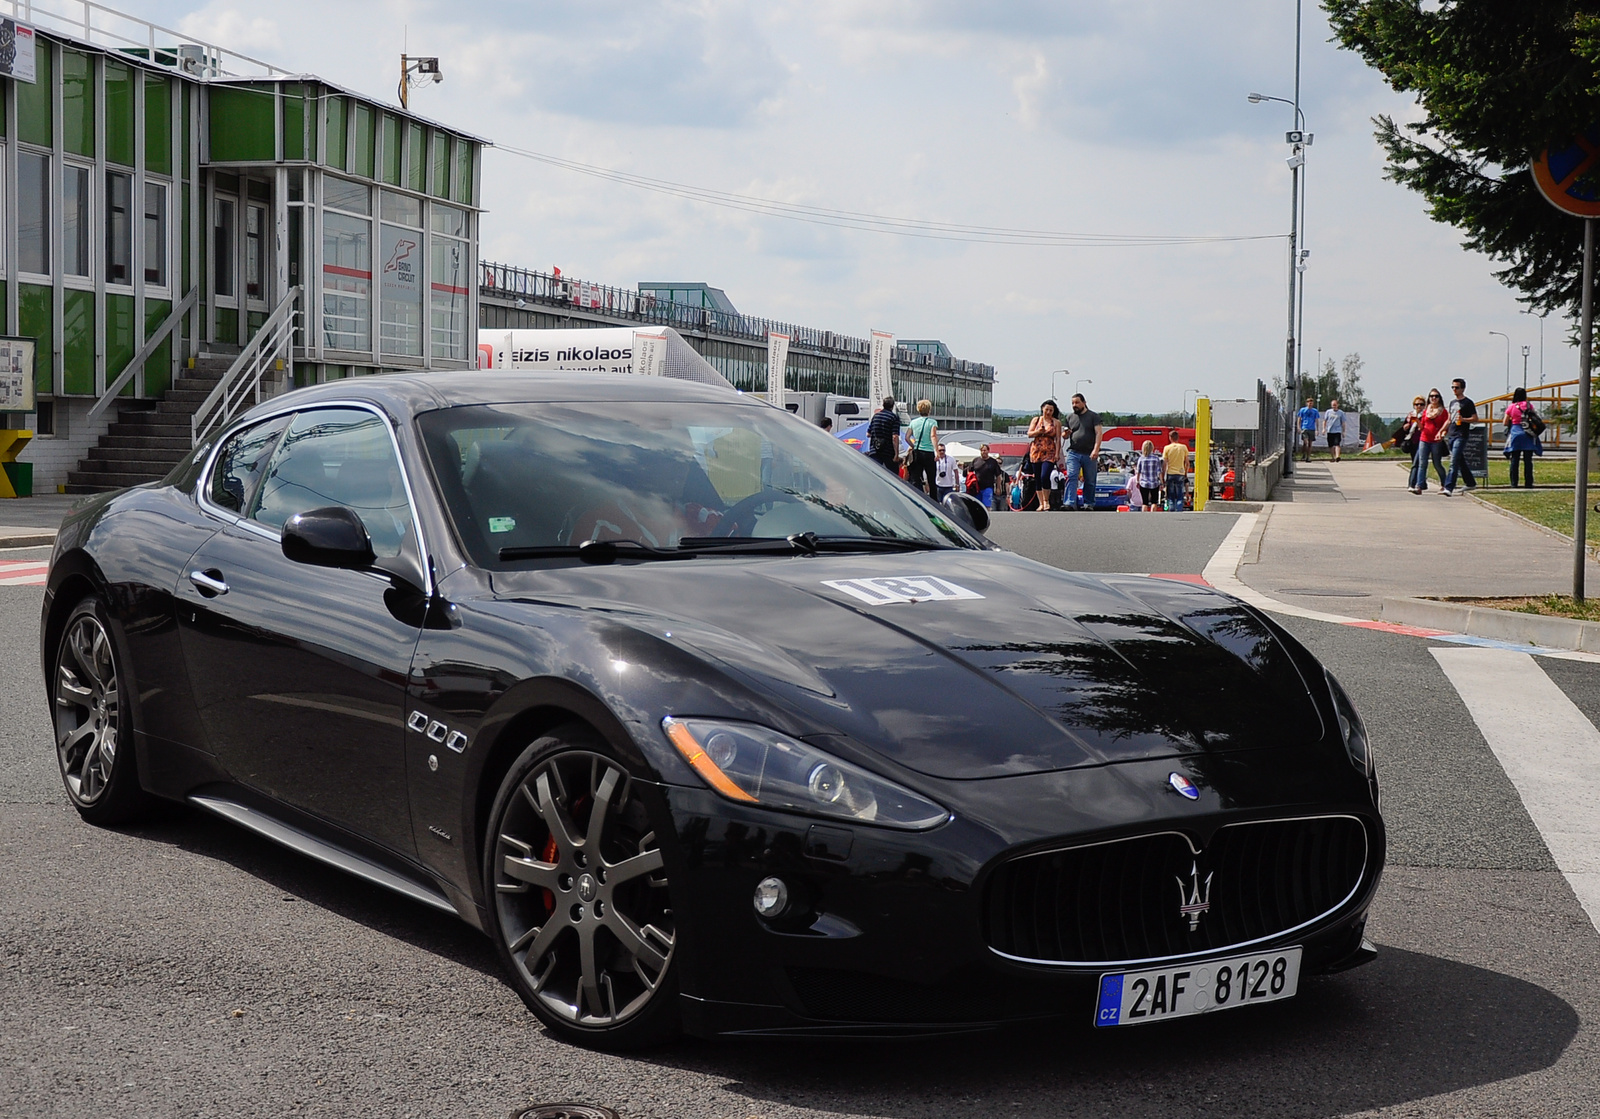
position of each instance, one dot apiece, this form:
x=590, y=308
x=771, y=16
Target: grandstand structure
x=511, y=298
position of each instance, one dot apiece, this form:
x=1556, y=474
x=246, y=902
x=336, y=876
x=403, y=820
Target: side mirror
x=968, y=510
x=330, y=537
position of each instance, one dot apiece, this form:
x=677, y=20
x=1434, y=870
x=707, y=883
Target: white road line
x=1222, y=572
x=1547, y=747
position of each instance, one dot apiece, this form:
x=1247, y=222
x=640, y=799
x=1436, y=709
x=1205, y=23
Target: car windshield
x=520, y=479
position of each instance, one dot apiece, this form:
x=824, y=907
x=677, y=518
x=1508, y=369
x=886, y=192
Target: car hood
x=967, y=664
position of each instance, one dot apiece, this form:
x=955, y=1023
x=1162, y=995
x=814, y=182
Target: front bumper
x=885, y=936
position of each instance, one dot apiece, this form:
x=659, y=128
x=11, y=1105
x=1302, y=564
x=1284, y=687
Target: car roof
x=407, y=394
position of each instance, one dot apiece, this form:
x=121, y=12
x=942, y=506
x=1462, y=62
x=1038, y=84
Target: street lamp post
x=1298, y=141
x=1186, y=393
x=1507, y=337
x=1541, y=319
x=1525, y=351
x=1078, y=388
x=1054, y=373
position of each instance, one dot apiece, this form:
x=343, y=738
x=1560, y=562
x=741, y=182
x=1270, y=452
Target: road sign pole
x=1580, y=508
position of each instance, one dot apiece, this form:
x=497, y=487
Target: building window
x=75, y=225
x=33, y=212
x=222, y=247
x=400, y=283
x=155, y=234
x=346, y=267
x=45, y=417
x=450, y=253
x=119, y=228
x=255, y=257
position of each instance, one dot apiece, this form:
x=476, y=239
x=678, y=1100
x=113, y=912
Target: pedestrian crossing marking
x=1555, y=767
x=23, y=573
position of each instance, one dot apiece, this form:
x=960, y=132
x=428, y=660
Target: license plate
x=1132, y=998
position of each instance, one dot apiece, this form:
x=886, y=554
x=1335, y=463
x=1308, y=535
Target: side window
x=339, y=456
x=240, y=463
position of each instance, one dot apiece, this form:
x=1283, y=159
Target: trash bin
x=20, y=475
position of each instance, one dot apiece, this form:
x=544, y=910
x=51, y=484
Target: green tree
x=1498, y=81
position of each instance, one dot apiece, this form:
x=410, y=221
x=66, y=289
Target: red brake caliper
x=550, y=853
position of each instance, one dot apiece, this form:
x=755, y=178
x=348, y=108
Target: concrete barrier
x=1260, y=477
x=1501, y=625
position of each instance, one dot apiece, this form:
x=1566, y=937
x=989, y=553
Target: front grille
x=1122, y=901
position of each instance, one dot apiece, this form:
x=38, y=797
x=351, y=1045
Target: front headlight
x=1351, y=728
x=753, y=765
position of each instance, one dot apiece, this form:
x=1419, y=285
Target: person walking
x=1308, y=417
x=946, y=474
x=990, y=473
x=1406, y=437
x=1430, y=442
x=883, y=437
x=1523, y=427
x=1083, y=452
x=922, y=441
x=1044, y=450
x=1462, y=412
x=1333, y=427
x=1150, y=470
x=1175, y=466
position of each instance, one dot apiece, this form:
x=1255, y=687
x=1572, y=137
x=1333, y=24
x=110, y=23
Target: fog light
x=772, y=897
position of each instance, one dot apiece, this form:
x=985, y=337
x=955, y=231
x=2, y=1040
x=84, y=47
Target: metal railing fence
x=95, y=23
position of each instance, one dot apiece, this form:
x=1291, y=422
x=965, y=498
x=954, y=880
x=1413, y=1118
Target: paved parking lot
x=188, y=968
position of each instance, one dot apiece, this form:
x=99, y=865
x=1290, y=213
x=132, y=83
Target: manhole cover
x=564, y=1111
x=1321, y=592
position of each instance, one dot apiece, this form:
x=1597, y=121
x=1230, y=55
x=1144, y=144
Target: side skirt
x=320, y=849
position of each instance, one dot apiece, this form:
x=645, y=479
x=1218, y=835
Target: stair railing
x=136, y=363
x=273, y=341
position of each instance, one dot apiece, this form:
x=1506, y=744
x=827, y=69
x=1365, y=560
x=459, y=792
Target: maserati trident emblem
x=1196, y=901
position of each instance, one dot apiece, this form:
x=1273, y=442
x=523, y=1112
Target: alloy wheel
x=87, y=709
x=580, y=893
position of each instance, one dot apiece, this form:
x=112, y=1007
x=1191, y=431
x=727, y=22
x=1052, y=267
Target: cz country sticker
x=900, y=588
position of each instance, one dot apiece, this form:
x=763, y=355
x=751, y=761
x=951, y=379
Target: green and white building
x=178, y=217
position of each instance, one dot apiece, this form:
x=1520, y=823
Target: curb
x=1501, y=625
x=1593, y=550
x=28, y=540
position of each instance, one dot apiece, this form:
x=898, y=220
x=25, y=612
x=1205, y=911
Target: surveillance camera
x=1296, y=160
x=437, y=77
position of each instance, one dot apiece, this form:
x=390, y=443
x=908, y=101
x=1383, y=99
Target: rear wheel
x=579, y=904
x=94, y=742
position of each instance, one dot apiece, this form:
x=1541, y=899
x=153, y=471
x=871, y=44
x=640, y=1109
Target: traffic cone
x=1371, y=442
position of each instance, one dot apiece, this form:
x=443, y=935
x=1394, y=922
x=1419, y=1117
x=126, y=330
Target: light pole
x=1298, y=140
x=1507, y=337
x=1541, y=344
x=1525, y=351
x=1078, y=388
x=1054, y=373
x=1186, y=393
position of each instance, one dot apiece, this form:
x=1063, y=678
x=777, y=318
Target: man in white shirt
x=1333, y=427
x=946, y=474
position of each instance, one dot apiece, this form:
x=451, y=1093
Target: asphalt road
x=187, y=968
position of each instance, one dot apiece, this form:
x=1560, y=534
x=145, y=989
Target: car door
x=299, y=672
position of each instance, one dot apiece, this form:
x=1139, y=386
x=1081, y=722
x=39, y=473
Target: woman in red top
x=1430, y=444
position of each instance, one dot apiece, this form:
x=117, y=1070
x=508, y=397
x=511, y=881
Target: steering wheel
x=732, y=520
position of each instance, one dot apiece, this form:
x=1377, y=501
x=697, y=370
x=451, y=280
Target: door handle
x=209, y=583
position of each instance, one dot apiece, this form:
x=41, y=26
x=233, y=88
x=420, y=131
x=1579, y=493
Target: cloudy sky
x=1081, y=116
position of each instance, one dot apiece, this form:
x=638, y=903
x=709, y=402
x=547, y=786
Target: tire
x=578, y=904
x=94, y=738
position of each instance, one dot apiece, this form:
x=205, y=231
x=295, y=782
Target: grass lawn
x=1551, y=508
x=1550, y=605
x=1553, y=473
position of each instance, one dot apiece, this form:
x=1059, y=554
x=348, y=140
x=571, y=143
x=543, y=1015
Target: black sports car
x=707, y=720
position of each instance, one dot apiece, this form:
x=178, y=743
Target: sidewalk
x=32, y=521
x=1342, y=538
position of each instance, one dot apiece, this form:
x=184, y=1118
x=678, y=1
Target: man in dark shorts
x=883, y=436
x=1333, y=420
x=1308, y=417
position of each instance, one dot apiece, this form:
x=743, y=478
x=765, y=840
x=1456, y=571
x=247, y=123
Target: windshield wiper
x=800, y=543
x=595, y=551
x=874, y=544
